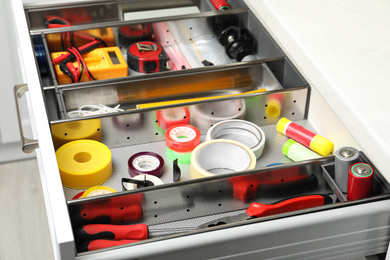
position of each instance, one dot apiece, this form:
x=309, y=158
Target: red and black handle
x=102, y=243
x=303, y=202
x=107, y=231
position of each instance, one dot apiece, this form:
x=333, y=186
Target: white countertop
x=343, y=49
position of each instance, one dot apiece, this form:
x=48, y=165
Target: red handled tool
x=118, y=232
x=257, y=210
x=102, y=236
x=102, y=243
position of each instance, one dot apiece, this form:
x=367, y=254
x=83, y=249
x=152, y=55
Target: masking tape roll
x=182, y=138
x=96, y=191
x=76, y=130
x=144, y=177
x=242, y=131
x=221, y=156
x=84, y=163
x=146, y=163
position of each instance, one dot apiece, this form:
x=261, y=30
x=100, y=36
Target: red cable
x=76, y=75
x=83, y=61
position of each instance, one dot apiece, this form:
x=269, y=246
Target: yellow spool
x=97, y=190
x=84, y=163
x=71, y=131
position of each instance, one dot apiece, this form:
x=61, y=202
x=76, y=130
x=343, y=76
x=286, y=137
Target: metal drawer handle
x=28, y=145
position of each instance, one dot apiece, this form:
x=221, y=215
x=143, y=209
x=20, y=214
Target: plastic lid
x=287, y=145
x=282, y=124
x=321, y=145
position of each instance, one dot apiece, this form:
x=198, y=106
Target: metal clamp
x=28, y=145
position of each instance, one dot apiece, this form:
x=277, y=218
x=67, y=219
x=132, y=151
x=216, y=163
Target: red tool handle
x=261, y=210
x=106, y=231
x=110, y=214
x=102, y=243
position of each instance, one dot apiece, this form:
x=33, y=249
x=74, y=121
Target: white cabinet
x=328, y=231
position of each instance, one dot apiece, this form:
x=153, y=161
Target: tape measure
x=146, y=57
x=103, y=63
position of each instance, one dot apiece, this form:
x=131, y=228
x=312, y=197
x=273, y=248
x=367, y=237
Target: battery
x=344, y=158
x=360, y=181
x=146, y=57
x=220, y=5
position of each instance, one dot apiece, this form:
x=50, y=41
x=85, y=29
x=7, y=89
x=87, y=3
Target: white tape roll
x=221, y=156
x=241, y=131
x=144, y=177
x=205, y=115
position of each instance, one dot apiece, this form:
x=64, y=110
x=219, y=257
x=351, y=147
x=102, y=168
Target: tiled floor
x=24, y=231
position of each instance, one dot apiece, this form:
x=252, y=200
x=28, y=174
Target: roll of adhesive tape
x=172, y=116
x=182, y=158
x=182, y=138
x=242, y=131
x=76, y=130
x=96, y=191
x=146, y=163
x=205, y=115
x=84, y=163
x=220, y=156
x=144, y=177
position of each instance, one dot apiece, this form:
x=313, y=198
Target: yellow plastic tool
x=71, y=131
x=84, y=163
x=103, y=63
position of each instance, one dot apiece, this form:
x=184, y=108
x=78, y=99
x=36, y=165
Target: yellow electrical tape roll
x=221, y=156
x=97, y=190
x=70, y=131
x=84, y=163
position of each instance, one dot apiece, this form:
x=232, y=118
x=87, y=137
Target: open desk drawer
x=263, y=87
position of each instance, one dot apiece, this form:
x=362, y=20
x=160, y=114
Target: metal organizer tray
x=190, y=202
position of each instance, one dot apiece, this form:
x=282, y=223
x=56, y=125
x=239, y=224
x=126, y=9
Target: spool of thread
x=84, y=164
x=169, y=117
x=305, y=137
x=146, y=163
x=41, y=58
x=97, y=191
x=360, y=181
x=182, y=138
x=297, y=152
x=344, y=158
x=220, y=5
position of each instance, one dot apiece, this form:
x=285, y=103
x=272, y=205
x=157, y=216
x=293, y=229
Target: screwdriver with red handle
x=97, y=236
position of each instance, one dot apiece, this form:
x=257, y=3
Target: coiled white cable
x=88, y=110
